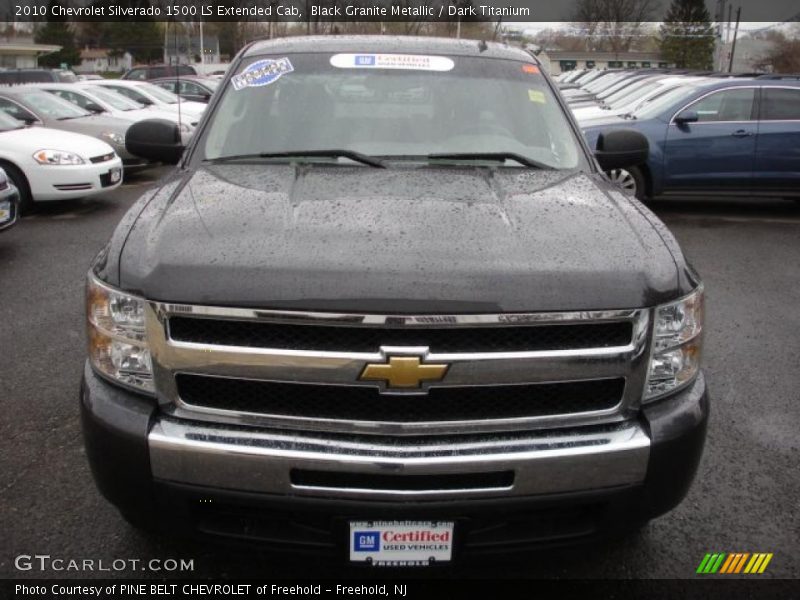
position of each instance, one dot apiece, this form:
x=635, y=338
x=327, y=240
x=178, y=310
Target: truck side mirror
x=687, y=116
x=621, y=148
x=155, y=139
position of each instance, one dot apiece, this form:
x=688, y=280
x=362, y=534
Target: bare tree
x=784, y=56
x=612, y=25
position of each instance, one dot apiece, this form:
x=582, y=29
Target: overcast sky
x=534, y=27
x=753, y=11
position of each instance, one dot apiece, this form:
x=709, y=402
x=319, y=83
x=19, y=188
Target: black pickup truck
x=387, y=308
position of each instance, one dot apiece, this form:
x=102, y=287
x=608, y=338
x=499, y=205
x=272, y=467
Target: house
x=23, y=53
x=100, y=60
x=562, y=60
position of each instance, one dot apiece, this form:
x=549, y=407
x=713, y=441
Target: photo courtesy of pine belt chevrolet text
x=388, y=309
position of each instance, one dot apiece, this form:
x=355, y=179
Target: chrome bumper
x=542, y=462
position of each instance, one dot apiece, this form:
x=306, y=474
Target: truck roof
x=387, y=43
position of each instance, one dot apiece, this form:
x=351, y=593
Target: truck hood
x=399, y=240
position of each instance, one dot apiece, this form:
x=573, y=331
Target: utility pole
x=735, y=33
x=720, y=16
x=497, y=28
x=728, y=24
x=202, y=51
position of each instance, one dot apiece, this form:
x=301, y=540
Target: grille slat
x=290, y=336
x=367, y=404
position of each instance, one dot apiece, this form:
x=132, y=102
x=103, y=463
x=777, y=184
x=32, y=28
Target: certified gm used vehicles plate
x=387, y=309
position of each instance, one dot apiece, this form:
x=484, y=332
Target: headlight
x=116, y=330
x=677, y=343
x=185, y=128
x=114, y=138
x=57, y=157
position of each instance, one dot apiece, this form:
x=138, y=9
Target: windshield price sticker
x=410, y=62
x=262, y=72
x=401, y=543
x=536, y=96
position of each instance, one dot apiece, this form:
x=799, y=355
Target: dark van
x=148, y=72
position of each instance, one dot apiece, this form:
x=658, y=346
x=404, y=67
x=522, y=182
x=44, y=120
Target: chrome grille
x=507, y=338
x=301, y=370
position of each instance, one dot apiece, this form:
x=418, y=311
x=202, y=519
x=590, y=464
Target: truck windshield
x=391, y=106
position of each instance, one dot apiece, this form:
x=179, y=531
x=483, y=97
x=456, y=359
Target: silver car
x=37, y=107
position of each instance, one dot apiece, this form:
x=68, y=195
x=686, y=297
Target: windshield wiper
x=352, y=155
x=498, y=156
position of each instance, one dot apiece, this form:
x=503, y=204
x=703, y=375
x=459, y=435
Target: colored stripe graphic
x=727, y=564
x=723, y=563
x=741, y=562
x=718, y=563
x=765, y=563
x=711, y=562
x=703, y=563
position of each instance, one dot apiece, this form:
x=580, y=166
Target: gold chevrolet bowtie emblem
x=403, y=372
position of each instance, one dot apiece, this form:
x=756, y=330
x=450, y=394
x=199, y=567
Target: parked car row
x=708, y=133
x=66, y=140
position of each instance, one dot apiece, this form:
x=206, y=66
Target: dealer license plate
x=401, y=543
x=5, y=211
x=115, y=174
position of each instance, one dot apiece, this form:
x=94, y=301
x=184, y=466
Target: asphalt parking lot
x=746, y=497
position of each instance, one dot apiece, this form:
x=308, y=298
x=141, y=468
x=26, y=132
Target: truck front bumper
x=299, y=490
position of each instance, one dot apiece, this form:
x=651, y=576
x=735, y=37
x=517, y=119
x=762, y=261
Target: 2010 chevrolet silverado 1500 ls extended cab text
x=388, y=308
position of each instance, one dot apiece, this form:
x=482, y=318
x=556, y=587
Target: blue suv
x=735, y=137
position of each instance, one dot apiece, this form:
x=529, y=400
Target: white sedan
x=148, y=94
x=49, y=164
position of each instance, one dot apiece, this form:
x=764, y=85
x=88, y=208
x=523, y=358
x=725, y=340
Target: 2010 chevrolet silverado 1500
x=388, y=308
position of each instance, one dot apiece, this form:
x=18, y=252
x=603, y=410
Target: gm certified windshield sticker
x=536, y=96
x=262, y=72
x=411, y=62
